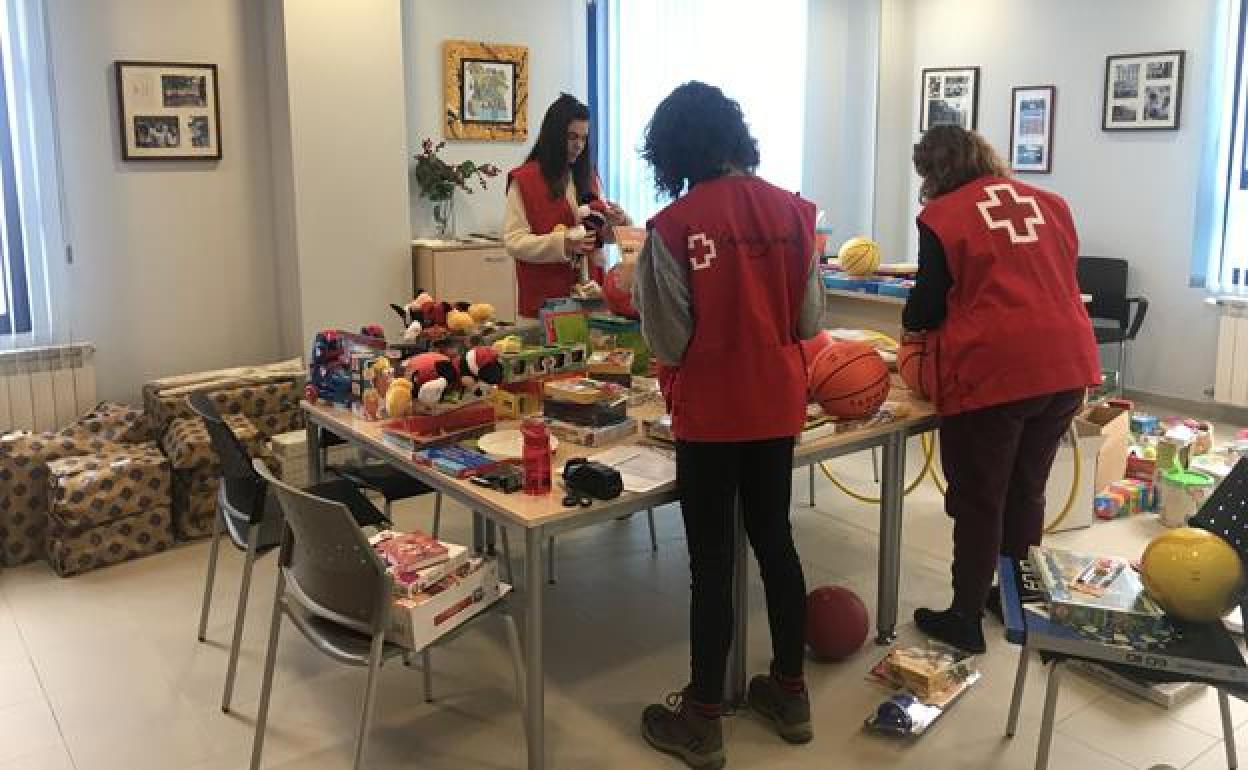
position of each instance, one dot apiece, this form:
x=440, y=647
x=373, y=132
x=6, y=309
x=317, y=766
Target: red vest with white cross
x=747, y=247
x=538, y=282
x=1016, y=326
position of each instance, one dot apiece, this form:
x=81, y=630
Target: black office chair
x=385, y=480
x=1105, y=278
x=250, y=516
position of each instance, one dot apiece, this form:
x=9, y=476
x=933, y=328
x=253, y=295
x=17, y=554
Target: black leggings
x=710, y=476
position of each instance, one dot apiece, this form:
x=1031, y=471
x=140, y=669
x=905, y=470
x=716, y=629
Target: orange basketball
x=849, y=379
x=811, y=349
x=913, y=365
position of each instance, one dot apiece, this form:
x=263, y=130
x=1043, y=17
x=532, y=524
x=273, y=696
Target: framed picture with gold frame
x=486, y=86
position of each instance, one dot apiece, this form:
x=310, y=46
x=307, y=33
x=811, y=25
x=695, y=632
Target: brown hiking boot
x=685, y=729
x=788, y=711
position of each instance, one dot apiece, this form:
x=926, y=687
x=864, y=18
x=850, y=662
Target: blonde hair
x=948, y=157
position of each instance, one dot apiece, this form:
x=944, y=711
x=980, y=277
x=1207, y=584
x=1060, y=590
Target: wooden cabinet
x=469, y=273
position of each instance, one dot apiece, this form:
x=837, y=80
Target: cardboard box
x=417, y=622
x=1112, y=426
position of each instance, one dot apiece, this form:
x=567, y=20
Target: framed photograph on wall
x=949, y=95
x=1143, y=92
x=486, y=89
x=168, y=110
x=1031, y=129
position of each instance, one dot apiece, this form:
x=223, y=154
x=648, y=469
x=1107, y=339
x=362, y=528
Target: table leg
x=478, y=533
x=1020, y=682
x=490, y=536
x=1228, y=730
x=734, y=687
x=811, y=477
x=313, y=433
x=892, y=493
x=534, y=702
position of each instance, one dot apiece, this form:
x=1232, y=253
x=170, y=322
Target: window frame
x=17, y=317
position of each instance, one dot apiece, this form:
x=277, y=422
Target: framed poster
x=949, y=95
x=1031, y=129
x=486, y=88
x=168, y=111
x=1143, y=92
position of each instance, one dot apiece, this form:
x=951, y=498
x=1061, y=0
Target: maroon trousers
x=997, y=461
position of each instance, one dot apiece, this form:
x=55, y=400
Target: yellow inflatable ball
x=481, y=312
x=1193, y=574
x=399, y=397
x=859, y=256
x=460, y=322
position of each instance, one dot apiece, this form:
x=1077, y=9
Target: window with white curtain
x=755, y=52
x=1227, y=254
x=32, y=242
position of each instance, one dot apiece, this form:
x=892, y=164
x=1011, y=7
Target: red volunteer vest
x=748, y=247
x=536, y=283
x=1016, y=327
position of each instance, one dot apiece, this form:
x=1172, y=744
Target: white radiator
x=1230, y=386
x=45, y=389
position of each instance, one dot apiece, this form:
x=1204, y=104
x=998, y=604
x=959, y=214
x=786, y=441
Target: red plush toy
x=431, y=375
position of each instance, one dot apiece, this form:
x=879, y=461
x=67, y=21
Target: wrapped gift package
x=24, y=461
x=195, y=502
x=190, y=447
x=118, y=423
x=108, y=508
x=251, y=391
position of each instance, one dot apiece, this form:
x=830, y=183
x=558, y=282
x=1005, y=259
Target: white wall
x=343, y=238
x=554, y=31
x=174, y=270
x=1133, y=194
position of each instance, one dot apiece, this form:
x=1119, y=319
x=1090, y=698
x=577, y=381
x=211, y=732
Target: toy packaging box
x=593, y=437
x=1097, y=595
x=418, y=620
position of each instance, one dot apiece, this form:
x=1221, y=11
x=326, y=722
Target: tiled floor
x=103, y=672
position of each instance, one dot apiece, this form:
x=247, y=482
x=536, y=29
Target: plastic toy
x=399, y=398
x=329, y=374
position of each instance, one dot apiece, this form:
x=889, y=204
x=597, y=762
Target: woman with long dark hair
x=998, y=306
x=741, y=253
x=542, y=199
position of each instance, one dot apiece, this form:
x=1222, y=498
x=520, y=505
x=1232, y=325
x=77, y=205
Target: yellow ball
x=859, y=256
x=1192, y=573
x=459, y=321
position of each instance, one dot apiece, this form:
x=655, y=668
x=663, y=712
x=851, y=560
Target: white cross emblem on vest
x=1020, y=213
x=702, y=250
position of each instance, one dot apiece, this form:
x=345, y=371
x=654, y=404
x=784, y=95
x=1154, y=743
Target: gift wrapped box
x=115, y=422
x=189, y=446
x=128, y=538
x=194, y=502
x=270, y=425
x=251, y=391
x=107, y=508
x=91, y=490
x=24, y=487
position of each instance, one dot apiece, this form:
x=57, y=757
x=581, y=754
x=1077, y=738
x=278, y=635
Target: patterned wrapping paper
x=89, y=491
x=128, y=538
x=271, y=425
x=24, y=487
x=166, y=403
x=189, y=446
x=111, y=421
x=194, y=502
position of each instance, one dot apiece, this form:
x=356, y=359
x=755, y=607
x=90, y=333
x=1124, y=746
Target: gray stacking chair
x=334, y=588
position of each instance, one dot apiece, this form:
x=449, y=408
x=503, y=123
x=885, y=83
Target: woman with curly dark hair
x=542, y=199
x=727, y=285
x=998, y=306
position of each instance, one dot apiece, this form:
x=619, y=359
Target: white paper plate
x=507, y=444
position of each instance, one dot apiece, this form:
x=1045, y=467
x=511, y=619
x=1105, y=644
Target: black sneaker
x=683, y=730
x=789, y=712
x=952, y=628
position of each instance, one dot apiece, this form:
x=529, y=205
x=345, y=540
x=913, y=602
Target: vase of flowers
x=438, y=181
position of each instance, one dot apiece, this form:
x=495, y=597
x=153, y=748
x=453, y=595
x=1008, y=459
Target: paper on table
x=642, y=469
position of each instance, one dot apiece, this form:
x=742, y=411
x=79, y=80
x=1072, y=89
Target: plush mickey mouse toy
x=592, y=214
x=431, y=375
x=479, y=365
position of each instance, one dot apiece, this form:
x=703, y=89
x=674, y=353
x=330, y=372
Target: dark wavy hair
x=948, y=157
x=697, y=134
x=551, y=148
